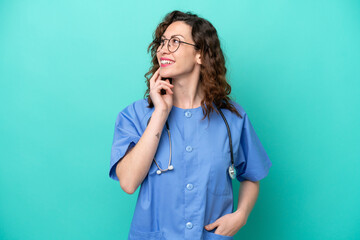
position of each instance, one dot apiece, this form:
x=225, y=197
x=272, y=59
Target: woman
x=186, y=188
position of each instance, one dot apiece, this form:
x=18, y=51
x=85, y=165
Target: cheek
x=187, y=64
x=185, y=61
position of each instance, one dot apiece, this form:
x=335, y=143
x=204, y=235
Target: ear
x=198, y=58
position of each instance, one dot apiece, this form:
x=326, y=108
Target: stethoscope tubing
x=228, y=131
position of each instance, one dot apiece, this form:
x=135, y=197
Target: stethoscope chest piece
x=232, y=171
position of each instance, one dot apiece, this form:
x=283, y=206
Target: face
x=185, y=59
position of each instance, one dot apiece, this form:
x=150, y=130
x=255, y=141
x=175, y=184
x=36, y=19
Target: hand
x=229, y=224
x=165, y=101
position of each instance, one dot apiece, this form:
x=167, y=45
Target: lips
x=168, y=59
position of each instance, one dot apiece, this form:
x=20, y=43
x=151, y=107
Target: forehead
x=178, y=28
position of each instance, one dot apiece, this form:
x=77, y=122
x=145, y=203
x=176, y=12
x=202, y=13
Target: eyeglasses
x=173, y=44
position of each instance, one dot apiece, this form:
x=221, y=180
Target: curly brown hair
x=212, y=71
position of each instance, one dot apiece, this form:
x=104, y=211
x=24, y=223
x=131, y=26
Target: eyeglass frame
x=168, y=45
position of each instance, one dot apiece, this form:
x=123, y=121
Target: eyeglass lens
x=172, y=45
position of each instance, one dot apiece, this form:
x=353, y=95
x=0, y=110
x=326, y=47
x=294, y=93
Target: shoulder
x=136, y=110
x=141, y=106
x=238, y=107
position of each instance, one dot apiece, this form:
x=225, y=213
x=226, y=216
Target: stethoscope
x=231, y=169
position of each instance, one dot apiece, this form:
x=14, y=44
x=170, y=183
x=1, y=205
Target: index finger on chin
x=157, y=75
x=154, y=76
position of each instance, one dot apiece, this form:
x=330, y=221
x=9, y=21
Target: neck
x=187, y=91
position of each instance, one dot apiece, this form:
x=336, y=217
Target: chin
x=165, y=74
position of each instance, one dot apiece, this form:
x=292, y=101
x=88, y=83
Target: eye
x=175, y=41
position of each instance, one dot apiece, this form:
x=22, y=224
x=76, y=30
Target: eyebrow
x=174, y=36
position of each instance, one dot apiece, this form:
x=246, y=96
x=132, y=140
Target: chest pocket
x=219, y=179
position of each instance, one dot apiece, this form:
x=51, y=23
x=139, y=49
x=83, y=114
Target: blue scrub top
x=177, y=204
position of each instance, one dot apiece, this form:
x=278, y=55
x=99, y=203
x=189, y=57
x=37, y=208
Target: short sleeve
x=126, y=135
x=252, y=162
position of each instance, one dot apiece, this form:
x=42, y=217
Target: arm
x=248, y=193
x=135, y=165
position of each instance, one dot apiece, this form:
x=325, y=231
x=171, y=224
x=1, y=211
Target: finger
x=168, y=82
x=164, y=83
x=210, y=226
x=218, y=232
x=158, y=76
x=154, y=77
x=168, y=90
